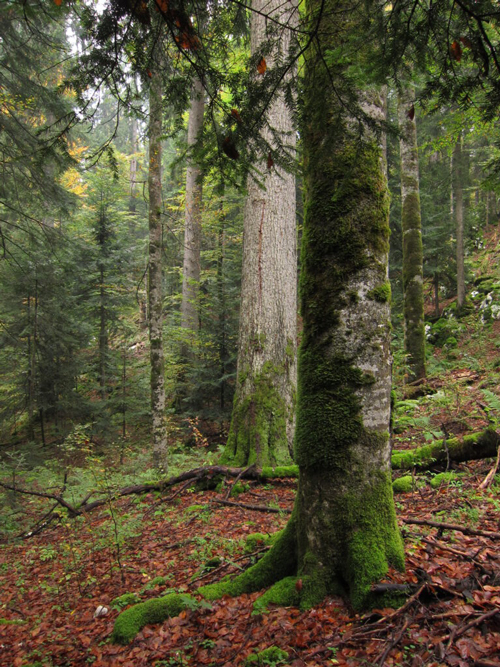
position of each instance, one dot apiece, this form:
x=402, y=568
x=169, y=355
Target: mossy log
x=480, y=445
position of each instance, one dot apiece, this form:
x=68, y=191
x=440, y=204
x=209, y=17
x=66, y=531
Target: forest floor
x=53, y=583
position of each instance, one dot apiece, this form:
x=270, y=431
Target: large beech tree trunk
x=343, y=533
x=192, y=229
x=155, y=286
x=263, y=417
x=412, y=238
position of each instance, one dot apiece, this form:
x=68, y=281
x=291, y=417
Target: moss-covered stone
x=403, y=484
x=132, y=620
x=443, y=478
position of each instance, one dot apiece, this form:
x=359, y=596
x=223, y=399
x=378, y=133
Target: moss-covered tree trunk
x=343, y=534
x=155, y=275
x=412, y=237
x=263, y=418
x=192, y=228
x=458, y=209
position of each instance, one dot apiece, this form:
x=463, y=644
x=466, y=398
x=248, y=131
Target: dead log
x=480, y=445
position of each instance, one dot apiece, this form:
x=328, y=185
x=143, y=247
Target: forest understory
x=144, y=545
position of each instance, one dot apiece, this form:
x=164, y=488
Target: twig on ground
x=458, y=631
x=393, y=643
x=244, y=471
x=486, y=483
x=452, y=526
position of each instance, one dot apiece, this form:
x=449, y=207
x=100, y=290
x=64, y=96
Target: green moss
x=279, y=562
x=132, y=620
x=381, y=293
x=124, y=600
x=375, y=543
x=258, y=424
x=283, y=593
x=12, y=621
x=194, y=508
x=403, y=484
x=443, y=478
x=255, y=541
x=269, y=656
x=280, y=472
x=239, y=488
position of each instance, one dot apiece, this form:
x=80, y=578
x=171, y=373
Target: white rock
x=101, y=611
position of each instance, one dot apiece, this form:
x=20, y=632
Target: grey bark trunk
x=133, y=167
x=155, y=286
x=412, y=238
x=263, y=418
x=192, y=229
x=458, y=208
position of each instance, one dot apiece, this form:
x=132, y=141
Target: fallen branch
x=491, y=475
x=459, y=631
x=257, y=508
x=51, y=496
x=480, y=445
x=392, y=644
x=452, y=526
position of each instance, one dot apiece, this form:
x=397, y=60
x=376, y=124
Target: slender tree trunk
x=155, y=286
x=412, y=238
x=263, y=418
x=124, y=394
x=103, y=335
x=457, y=180
x=133, y=167
x=221, y=295
x=437, y=312
x=192, y=229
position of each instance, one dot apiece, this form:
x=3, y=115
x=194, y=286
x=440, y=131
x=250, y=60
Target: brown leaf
x=229, y=148
x=466, y=42
x=58, y=2
x=236, y=114
x=456, y=51
x=262, y=66
x=270, y=163
x=298, y=585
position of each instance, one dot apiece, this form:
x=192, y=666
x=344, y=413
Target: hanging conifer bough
x=343, y=535
x=263, y=418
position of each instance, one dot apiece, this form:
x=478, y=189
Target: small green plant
x=271, y=656
x=47, y=553
x=124, y=600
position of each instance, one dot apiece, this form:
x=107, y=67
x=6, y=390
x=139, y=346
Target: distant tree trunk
x=221, y=297
x=32, y=336
x=155, y=286
x=457, y=181
x=192, y=228
x=133, y=167
x=412, y=238
x=103, y=335
x=263, y=418
x=437, y=312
